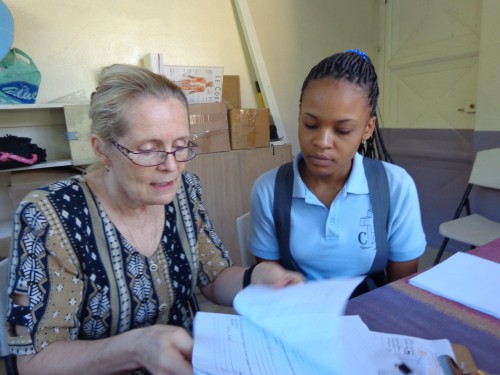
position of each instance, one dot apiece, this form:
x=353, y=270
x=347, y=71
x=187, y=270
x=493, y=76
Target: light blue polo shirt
x=340, y=240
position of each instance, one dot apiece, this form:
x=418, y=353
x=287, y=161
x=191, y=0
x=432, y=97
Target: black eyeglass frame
x=125, y=151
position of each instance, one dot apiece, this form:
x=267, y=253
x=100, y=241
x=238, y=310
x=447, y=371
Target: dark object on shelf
x=273, y=133
x=18, y=152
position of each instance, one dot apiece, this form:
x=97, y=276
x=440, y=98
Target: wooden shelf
x=63, y=130
x=24, y=107
x=49, y=164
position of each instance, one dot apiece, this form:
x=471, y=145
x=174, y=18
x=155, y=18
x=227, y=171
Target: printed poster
x=201, y=84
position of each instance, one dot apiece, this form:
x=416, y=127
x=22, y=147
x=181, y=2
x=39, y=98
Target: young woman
x=331, y=231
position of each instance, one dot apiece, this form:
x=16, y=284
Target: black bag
x=18, y=152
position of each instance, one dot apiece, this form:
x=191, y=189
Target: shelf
x=49, y=164
x=62, y=130
x=24, y=107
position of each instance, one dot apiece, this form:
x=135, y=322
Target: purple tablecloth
x=404, y=309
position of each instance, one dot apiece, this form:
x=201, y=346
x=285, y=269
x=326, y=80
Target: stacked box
x=249, y=128
x=231, y=91
x=209, y=127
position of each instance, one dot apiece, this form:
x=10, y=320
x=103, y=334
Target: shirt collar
x=356, y=183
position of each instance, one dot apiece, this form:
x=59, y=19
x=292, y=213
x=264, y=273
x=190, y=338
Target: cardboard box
x=231, y=92
x=209, y=127
x=201, y=84
x=249, y=128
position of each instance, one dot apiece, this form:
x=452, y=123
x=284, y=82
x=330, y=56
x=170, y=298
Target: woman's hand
x=162, y=349
x=272, y=273
x=165, y=349
x=224, y=288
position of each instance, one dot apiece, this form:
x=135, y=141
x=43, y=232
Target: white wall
x=71, y=40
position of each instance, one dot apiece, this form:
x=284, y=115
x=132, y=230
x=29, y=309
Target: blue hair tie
x=359, y=53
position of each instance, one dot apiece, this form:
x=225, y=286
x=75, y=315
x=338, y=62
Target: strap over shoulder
x=379, y=196
x=378, y=186
x=283, y=189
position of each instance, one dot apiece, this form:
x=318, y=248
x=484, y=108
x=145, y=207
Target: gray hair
x=119, y=86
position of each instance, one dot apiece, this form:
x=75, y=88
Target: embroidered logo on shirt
x=366, y=236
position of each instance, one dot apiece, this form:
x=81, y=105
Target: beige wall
x=294, y=35
x=71, y=40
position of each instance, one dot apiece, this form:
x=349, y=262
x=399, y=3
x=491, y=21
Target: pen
x=259, y=93
x=404, y=369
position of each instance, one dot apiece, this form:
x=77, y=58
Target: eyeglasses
x=154, y=158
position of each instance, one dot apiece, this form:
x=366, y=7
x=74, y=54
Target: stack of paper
x=300, y=330
x=466, y=279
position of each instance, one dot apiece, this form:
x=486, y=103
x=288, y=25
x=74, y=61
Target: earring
x=107, y=168
x=363, y=142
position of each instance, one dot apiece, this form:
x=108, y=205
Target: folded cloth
x=18, y=152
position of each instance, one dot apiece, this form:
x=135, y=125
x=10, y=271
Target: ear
x=100, y=149
x=370, y=128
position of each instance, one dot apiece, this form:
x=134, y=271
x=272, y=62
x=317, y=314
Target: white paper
x=308, y=318
x=322, y=301
x=300, y=330
x=420, y=355
x=466, y=279
x=232, y=345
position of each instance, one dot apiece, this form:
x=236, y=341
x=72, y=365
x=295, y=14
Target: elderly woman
x=103, y=265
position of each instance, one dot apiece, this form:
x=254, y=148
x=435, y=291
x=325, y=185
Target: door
x=430, y=63
x=428, y=72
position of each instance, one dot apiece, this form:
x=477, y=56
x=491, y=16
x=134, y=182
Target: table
x=404, y=309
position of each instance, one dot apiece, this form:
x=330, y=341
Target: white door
x=430, y=63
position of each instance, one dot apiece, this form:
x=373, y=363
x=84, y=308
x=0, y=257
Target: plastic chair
x=474, y=229
x=4, y=349
x=243, y=227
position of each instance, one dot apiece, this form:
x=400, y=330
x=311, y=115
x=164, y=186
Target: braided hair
x=355, y=67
